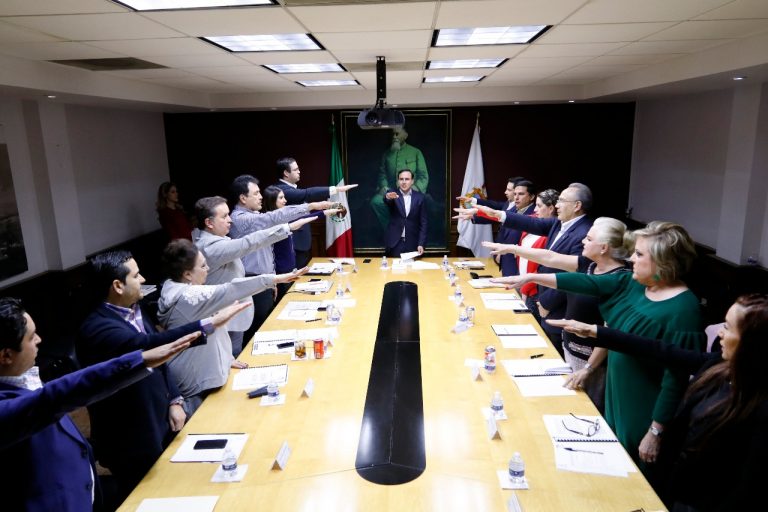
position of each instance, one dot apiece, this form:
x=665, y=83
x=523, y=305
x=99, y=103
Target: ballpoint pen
x=535, y=356
x=568, y=448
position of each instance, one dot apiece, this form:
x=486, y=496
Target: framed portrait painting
x=372, y=159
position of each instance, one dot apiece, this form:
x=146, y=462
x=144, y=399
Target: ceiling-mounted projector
x=380, y=116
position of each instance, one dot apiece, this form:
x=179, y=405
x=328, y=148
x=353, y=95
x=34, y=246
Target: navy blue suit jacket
x=130, y=427
x=570, y=243
x=415, y=223
x=506, y=235
x=47, y=463
x=302, y=237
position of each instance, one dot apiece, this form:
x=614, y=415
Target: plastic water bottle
x=272, y=390
x=445, y=262
x=383, y=262
x=457, y=295
x=451, y=275
x=497, y=403
x=229, y=463
x=339, y=291
x=463, y=315
x=490, y=359
x=517, y=468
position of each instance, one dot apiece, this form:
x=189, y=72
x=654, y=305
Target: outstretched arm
x=567, y=262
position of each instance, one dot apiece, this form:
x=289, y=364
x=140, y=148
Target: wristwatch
x=588, y=367
x=655, y=431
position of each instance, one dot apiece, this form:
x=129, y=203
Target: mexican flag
x=338, y=232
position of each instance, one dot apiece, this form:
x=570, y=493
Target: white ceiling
x=595, y=50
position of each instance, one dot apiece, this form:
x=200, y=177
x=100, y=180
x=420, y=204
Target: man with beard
x=400, y=155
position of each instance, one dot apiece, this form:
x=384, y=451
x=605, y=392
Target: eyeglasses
x=567, y=201
x=593, y=427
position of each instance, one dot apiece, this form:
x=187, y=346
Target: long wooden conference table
x=323, y=430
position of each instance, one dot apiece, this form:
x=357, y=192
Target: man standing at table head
x=407, y=228
x=131, y=428
x=47, y=463
x=289, y=175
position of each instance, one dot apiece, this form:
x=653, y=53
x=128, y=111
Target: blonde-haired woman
x=607, y=246
x=640, y=395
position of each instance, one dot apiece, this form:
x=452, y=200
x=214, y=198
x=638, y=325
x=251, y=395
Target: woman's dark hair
x=270, y=195
x=162, y=194
x=549, y=197
x=744, y=369
x=178, y=257
x=13, y=325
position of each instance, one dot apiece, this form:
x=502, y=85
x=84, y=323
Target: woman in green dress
x=641, y=396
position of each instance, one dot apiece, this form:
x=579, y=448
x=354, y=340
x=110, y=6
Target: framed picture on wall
x=372, y=158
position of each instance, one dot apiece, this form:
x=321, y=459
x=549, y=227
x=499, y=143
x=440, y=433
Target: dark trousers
x=400, y=247
x=302, y=258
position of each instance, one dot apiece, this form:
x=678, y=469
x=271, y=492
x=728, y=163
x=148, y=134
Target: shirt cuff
x=179, y=400
x=332, y=190
x=503, y=216
x=206, y=325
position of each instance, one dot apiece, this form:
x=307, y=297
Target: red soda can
x=319, y=346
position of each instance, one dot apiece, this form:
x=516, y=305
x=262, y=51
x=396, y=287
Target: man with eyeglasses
x=564, y=235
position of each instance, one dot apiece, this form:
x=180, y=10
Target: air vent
x=119, y=64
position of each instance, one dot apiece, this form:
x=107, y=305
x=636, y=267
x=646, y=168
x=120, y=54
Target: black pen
x=313, y=320
x=536, y=356
x=568, y=448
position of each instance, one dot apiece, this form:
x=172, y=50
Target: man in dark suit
x=47, y=463
x=289, y=173
x=521, y=198
x=130, y=429
x=407, y=228
x=564, y=235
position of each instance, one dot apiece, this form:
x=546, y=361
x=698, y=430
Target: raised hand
x=293, y=226
x=156, y=356
x=344, y=188
x=291, y=276
x=225, y=315
x=465, y=213
x=578, y=328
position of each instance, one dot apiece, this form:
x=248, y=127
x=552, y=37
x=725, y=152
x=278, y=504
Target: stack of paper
x=518, y=336
x=265, y=342
x=324, y=269
x=185, y=503
x=599, y=453
x=320, y=286
x=538, y=377
x=409, y=255
x=259, y=376
x=503, y=302
x=469, y=264
x=300, y=310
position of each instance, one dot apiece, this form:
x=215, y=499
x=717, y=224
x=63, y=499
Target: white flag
x=471, y=235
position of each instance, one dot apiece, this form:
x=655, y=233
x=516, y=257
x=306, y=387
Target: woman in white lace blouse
x=184, y=298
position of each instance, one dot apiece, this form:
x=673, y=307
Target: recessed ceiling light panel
x=487, y=35
x=327, y=83
x=305, y=68
x=465, y=63
x=265, y=42
x=451, y=79
x=174, y=5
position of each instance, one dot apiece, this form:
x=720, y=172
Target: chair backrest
x=713, y=340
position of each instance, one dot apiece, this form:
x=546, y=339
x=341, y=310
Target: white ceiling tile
x=450, y=84
x=230, y=22
x=56, y=51
x=358, y=18
x=314, y=76
x=624, y=11
x=510, y=79
x=604, y=33
x=597, y=72
x=654, y=47
x=610, y=60
x=395, y=79
x=370, y=54
x=188, y=82
x=95, y=27
x=154, y=47
x=15, y=34
x=299, y=57
x=376, y=40
x=740, y=9
x=224, y=72
x=525, y=73
x=476, y=52
x=41, y=7
x=495, y=13
x=723, y=29
x=545, y=62
x=569, y=50
x=196, y=61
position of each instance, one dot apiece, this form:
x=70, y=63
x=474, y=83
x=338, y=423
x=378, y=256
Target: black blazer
x=415, y=223
x=302, y=238
x=131, y=426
